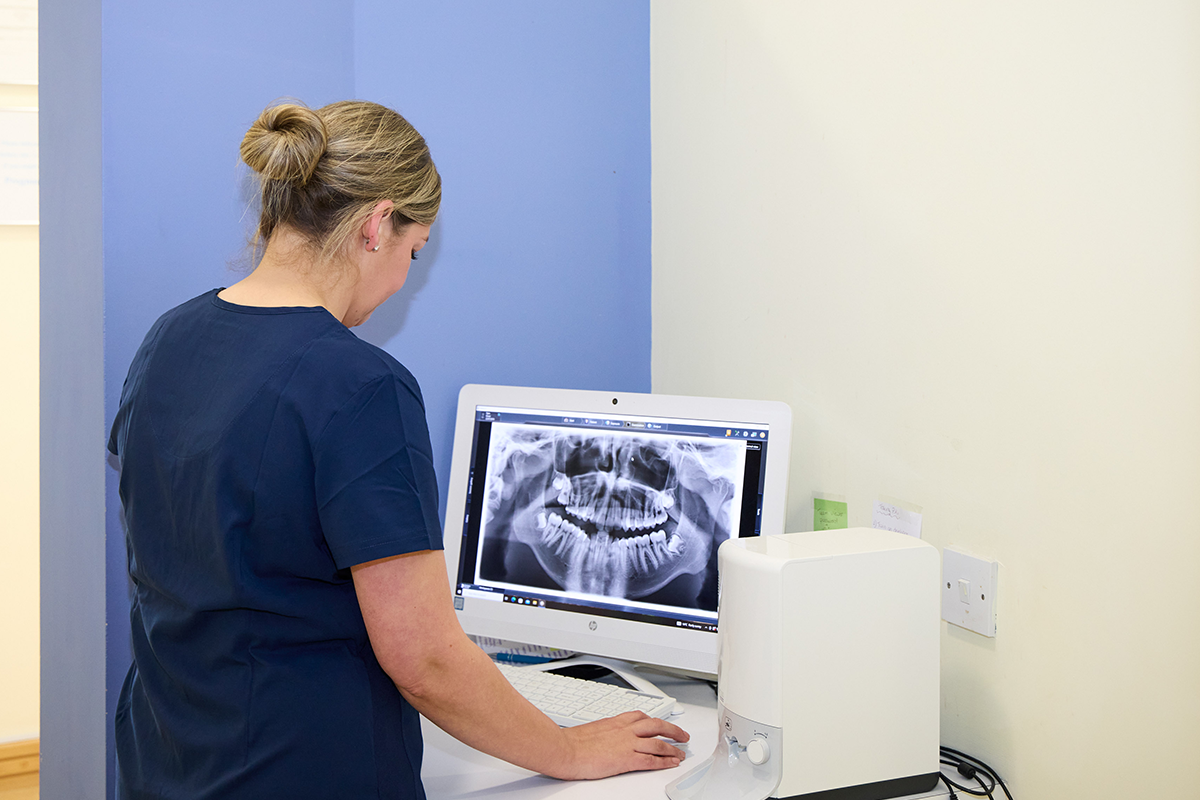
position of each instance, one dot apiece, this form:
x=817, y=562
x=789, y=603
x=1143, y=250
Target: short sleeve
x=376, y=489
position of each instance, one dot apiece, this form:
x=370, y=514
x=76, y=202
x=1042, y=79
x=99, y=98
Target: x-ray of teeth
x=628, y=516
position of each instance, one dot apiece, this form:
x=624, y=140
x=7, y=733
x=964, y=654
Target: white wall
x=19, y=637
x=962, y=240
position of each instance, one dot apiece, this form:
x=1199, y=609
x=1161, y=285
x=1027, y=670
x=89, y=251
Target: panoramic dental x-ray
x=628, y=516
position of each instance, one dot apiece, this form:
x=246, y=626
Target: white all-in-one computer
x=590, y=521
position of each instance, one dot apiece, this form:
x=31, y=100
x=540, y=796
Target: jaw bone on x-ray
x=621, y=515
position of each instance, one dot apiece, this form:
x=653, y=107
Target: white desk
x=453, y=771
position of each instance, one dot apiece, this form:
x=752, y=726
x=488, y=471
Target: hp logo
x=592, y=625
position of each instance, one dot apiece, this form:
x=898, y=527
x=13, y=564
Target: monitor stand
x=601, y=670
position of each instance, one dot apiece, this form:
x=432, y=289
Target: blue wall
x=537, y=113
x=538, y=117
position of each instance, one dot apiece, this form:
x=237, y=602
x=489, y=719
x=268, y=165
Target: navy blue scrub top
x=265, y=451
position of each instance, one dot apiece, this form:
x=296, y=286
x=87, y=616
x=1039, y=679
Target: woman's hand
x=407, y=608
x=625, y=743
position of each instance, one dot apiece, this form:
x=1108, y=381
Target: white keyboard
x=571, y=701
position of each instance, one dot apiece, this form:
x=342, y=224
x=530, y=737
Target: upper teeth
x=613, y=502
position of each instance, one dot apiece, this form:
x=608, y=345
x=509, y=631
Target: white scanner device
x=827, y=671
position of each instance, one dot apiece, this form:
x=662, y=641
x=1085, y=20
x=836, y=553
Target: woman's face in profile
x=382, y=273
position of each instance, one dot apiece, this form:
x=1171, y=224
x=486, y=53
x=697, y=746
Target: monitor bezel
x=663, y=646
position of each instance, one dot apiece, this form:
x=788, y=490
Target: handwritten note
x=828, y=514
x=889, y=517
x=18, y=166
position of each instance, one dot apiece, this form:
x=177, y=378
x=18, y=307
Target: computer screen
x=590, y=521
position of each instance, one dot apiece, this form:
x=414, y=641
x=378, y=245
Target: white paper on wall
x=18, y=166
x=18, y=41
x=890, y=517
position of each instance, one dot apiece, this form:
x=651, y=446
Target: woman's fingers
x=658, y=747
x=624, y=743
x=650, y=726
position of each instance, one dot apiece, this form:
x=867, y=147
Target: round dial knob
x=757, y=751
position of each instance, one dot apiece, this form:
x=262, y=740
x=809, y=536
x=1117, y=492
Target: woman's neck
x=288, y=275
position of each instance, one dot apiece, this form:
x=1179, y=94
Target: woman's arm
x=406, y=604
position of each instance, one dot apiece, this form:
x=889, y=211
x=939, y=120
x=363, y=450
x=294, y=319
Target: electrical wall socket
x=969, y=591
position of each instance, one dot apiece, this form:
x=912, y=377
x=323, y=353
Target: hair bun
x=285, y=143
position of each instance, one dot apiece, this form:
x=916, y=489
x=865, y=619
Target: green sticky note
x=828, y=514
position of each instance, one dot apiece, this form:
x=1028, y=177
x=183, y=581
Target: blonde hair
x=322, y=171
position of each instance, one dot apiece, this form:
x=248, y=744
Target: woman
x=291, y=612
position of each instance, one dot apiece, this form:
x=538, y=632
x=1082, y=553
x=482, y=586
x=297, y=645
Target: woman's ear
x=371, y=228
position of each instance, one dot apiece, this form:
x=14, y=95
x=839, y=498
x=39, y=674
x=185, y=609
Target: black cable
x=953, y=796
x=991, y=773
x=970, y=772
x=961, y=788
x=967, y=771
x=971, y=768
